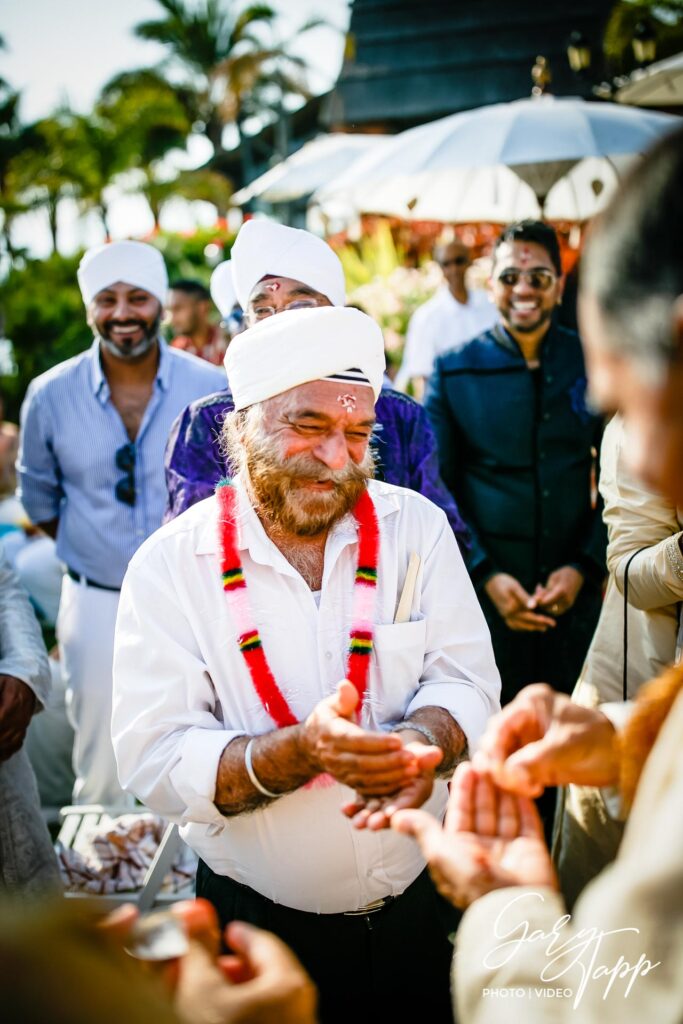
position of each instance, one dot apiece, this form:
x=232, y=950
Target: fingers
x=427, y=758
x=460, y=809
x=530, y=622
x=261, y=950
x=517, y=591
x=530, y=824
x=345, y=736
x=508, y=816
x=345, y=700
x=485, y=807
x=118, y=924
x=521, y=722
x=200, y=922
x=421, y=826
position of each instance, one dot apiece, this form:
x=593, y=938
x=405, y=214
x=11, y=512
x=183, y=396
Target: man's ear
x=561, y=282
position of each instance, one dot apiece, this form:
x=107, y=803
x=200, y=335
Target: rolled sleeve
x=466, y=706
x=23, y=653
x=194, y=777
x=39, y=486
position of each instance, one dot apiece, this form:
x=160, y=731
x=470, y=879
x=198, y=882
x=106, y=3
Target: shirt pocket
x=397, y=664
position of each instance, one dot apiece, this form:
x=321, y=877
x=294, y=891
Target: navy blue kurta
x=517, y=449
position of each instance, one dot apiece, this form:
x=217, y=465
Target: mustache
x=303, y=467
x=126, y=323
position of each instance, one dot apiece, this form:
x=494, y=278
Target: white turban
x=302, y=345
x=134, y=263
x=263, y=247
x=223, y=289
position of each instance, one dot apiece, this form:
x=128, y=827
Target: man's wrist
x=421, y=733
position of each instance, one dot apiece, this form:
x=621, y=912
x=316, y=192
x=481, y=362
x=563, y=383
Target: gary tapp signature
x=578, y=951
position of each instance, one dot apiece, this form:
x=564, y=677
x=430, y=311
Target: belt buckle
x=371, y=908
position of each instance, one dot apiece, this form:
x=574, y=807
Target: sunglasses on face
x=125, y=461
x=540, y=280
x=457, y=261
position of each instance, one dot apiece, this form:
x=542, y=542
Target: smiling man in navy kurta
x=516, y=447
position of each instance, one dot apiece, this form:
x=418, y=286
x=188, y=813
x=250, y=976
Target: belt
x=79, y=578
x=371, y=908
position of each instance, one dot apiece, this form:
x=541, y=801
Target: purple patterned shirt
x=403, y=442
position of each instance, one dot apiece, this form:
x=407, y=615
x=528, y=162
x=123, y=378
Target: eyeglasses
x=125, y=461
x=540, y=279
x=261, y=312
x=457, y=261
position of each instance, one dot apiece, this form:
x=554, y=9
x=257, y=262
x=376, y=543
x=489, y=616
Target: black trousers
x=393, y=964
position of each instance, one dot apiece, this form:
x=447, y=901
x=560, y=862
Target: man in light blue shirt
x=90, y=467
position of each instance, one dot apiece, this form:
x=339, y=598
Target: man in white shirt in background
x=239, y=618
x=452, y=317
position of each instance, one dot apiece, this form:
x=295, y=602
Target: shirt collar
x=99, y=382
x=251, y=535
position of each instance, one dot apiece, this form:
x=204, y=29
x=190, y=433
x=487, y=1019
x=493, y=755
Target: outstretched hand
x=542, y=738
x=490, y=839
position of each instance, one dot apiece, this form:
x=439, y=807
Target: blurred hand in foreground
x=261, y=982
x=541, y=738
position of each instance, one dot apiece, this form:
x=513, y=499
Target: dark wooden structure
x=411, y=61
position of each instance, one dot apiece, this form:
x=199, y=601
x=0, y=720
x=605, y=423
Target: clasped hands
x=537, y=612
x=388, y=771
x=492, y=835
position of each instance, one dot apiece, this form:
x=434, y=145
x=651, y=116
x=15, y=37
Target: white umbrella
x=658, y=85
x=539, y=139
x=312, y=165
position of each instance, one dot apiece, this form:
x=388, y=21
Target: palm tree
x=259, y=82
x=153, y=117
x=199, y=37
x=41, y=173
x=10, y=144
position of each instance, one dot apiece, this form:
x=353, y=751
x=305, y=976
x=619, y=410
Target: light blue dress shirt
x=70, y=433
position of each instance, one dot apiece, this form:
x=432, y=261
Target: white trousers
x=85, y=629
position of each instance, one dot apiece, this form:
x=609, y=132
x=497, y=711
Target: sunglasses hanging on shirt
x=125, y=461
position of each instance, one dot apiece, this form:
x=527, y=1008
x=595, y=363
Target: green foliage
x=44, y=318
x=374, y=256
x=186, y=255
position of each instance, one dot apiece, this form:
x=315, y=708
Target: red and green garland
x=248, y=638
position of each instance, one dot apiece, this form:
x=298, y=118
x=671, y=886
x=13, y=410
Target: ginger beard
x=277, y=483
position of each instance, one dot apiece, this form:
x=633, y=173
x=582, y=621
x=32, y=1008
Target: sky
x=60, y=50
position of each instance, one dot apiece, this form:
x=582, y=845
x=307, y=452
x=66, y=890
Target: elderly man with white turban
x=91, y=474
x=276, y=268
x=295, y=658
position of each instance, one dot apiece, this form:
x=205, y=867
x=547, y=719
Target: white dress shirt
x=182, y=690
x=441, y=324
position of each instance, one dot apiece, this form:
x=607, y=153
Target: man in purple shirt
x=275, y=268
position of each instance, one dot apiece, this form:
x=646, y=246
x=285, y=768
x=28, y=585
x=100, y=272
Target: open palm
x=489, y=840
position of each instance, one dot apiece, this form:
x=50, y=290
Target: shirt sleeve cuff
x=40, y=505
x=37, y=680
x=194, y=776
x=461, y=701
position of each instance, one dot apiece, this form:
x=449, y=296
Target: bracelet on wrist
x=418, y=727
x=252, y=774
